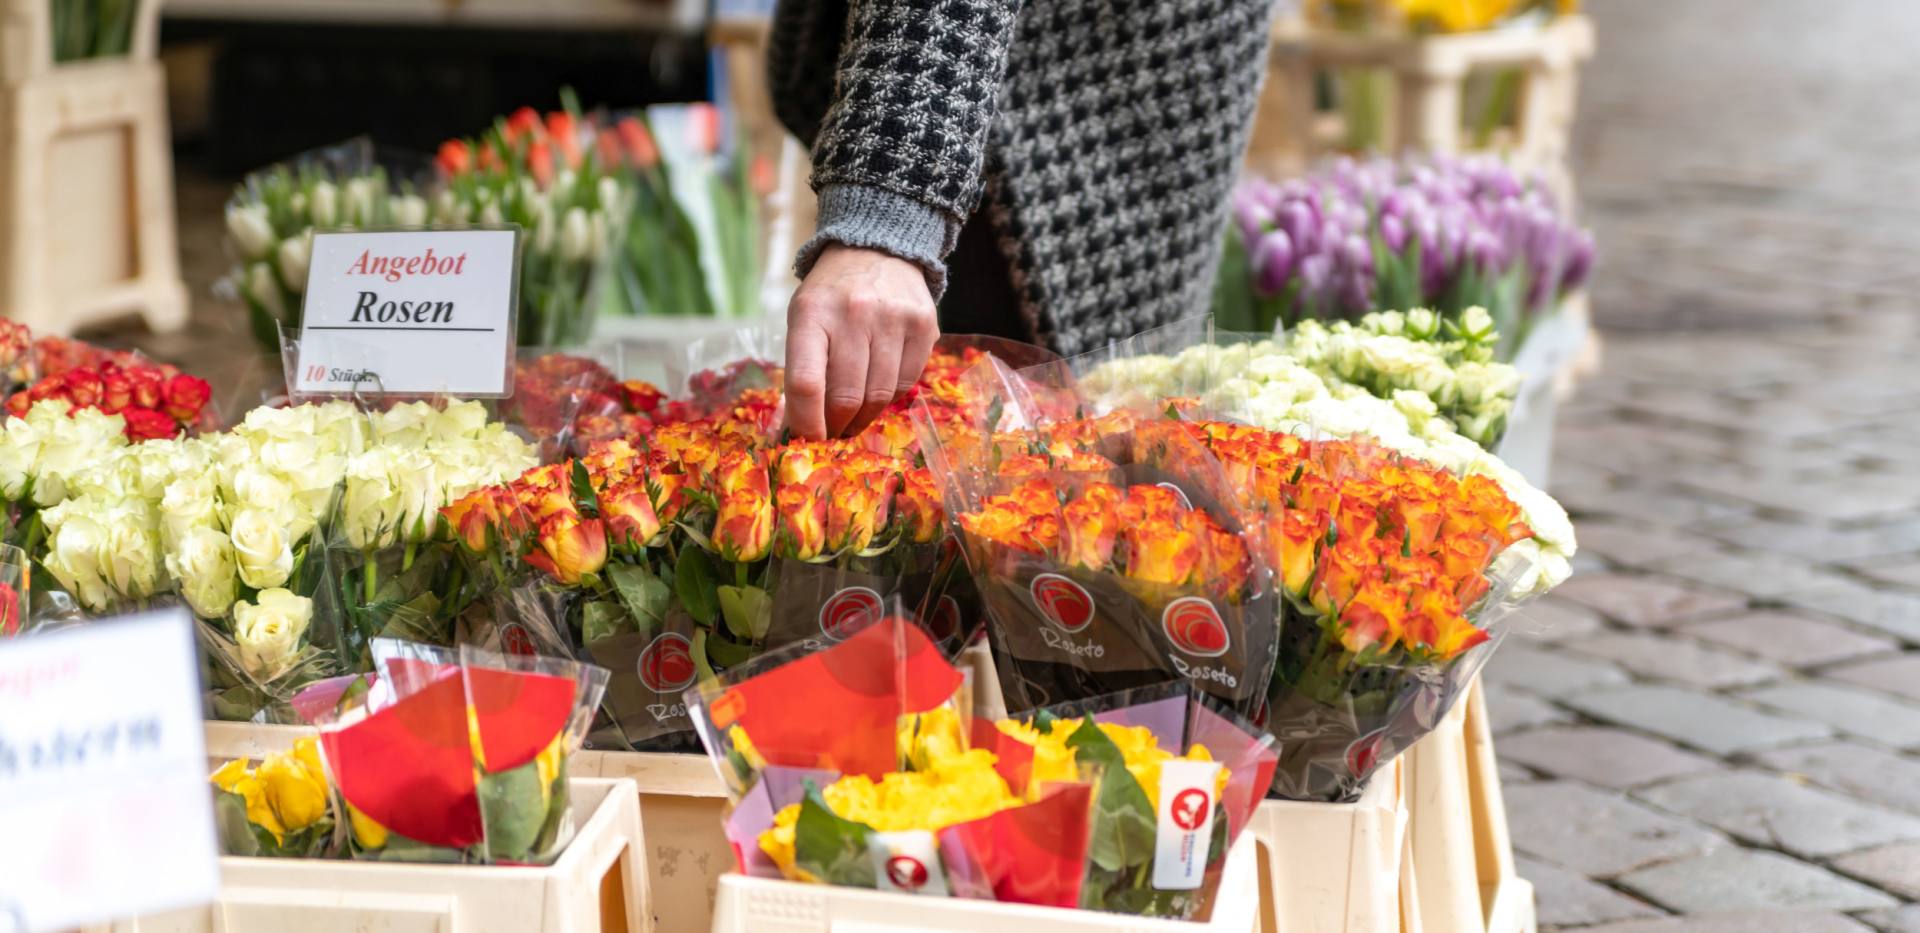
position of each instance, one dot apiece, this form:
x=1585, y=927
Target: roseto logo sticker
x=1190, y=808
x=1062, y=601
x=1363, y=753
x=946, y=617
x=848, y=611
x=666, y=666
x=907, y=873
x=1195, y=627
x=514, y=640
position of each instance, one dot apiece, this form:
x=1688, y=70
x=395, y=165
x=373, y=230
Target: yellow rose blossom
x=1053, y=760
x=368, y=833
x=954, y=789
x=934, y=734
x=287, y=793
x=744, y=747
x=547, y=765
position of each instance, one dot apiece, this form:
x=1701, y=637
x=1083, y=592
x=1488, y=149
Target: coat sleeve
x=897, y=157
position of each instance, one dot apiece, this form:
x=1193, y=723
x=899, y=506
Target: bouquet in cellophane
x=814, y=743
x=1107, y=550
x=448, y=755
x=1396, y=575
x=859, y=764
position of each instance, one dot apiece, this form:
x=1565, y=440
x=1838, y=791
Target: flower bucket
x=1333, y=867
x=682, y=813
x=597, y=886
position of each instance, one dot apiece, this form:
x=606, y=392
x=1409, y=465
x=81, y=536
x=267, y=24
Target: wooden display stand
x=86, y=181
x=1428, y=75
x=1460, y=873
x=597, y=886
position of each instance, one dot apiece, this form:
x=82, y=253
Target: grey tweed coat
x=1100, y=138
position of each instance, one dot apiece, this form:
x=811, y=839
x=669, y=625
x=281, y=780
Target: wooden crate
x=597, y=886
x=1333, y=867
x=1427, y=74
x=681, y=803
x=765, y=905
x=86, y=181
x=1460, y=873
x=682, y=806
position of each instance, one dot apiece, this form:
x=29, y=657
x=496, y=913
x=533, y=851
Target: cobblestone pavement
x=1713, y=726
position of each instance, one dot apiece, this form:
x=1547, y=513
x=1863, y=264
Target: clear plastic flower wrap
x=1182, y=776
x=858, y=764
x=392, y=563
x=580, y=558
x=1396, y=576
x=849, y=765
x=1108, y=551
x=447, y=755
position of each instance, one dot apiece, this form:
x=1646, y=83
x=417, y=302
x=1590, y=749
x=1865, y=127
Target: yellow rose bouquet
x=458, y=756
x=279, y=807
x=858, y=765
x=1178, y=776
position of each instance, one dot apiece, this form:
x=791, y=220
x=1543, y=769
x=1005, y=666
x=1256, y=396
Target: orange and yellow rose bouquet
x=1393, y=581
x=1108, y=555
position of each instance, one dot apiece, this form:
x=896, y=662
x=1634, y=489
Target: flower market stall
x=1044, y=636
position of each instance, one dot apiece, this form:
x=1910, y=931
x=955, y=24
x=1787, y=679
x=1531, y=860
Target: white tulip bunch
x=270, y=224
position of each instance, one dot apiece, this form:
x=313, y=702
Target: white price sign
x=409, y=312
x=104, y=797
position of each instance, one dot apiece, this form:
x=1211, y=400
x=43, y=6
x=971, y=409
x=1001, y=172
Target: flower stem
x=369, y=575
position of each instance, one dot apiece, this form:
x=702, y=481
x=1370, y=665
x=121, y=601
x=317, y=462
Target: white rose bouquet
x=390, y=556
x=240, y=526
x=272, y=215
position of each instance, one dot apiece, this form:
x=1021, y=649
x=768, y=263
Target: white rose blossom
x=268, y=630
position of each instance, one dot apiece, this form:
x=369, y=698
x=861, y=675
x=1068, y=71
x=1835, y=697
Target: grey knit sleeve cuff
x=875, y=218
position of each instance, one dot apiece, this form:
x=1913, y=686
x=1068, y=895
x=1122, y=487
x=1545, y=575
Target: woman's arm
x=897, y=166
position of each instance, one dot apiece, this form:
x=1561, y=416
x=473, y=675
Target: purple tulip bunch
x=1384, y=234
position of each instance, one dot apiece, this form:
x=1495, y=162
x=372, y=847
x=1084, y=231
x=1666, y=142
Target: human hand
x=858, y=332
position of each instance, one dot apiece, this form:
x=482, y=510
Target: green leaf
x=514, y=810
x=645, y=595
x=693, y=583
x=701, y=666
x=603, y=618
x=834, y=850
x=748, y=611
x=583, y=495
x=230, y=819
x=727, y=653
x=1123, y=818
